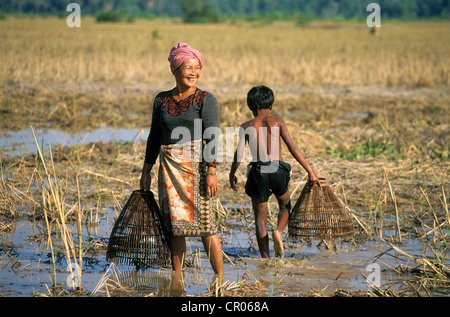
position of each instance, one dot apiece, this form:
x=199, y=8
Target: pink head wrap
x=181, y=53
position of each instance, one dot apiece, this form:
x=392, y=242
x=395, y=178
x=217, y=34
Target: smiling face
x=188, y=73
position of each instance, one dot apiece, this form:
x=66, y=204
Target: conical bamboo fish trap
x=138, y=236
x=319, y=214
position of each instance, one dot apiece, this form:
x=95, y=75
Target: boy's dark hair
x=260, y=97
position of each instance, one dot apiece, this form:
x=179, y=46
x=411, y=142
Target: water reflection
x=157, y=283
x=164, y=283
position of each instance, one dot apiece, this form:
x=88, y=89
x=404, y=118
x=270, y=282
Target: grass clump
x=367, y=148
x=108, y=16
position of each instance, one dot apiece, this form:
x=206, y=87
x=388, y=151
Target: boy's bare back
x=264, y=133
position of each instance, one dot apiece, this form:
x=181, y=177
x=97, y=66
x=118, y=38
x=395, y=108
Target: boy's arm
x=237, y=158
x=234, y=168
x=297, y=154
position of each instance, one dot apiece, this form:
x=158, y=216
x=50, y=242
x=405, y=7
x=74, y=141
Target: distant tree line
x=215, y=10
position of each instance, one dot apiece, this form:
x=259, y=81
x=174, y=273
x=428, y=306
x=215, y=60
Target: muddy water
x=22, y=142
x=26, y=265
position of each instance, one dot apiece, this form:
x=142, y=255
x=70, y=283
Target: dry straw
x=319, y=213
x=138, y=236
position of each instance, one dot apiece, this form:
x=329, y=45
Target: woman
x=186, y=178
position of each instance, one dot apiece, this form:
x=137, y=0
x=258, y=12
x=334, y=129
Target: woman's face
x=188, y=73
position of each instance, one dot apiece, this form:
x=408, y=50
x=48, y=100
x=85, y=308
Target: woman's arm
x=152, y=149
x=210, y=123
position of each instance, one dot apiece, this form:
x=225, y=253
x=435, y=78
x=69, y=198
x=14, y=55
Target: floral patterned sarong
x=186, y=208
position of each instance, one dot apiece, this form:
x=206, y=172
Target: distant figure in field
x=375, y=30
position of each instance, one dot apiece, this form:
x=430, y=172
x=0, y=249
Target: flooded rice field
x=33, y=262
x=61, y=190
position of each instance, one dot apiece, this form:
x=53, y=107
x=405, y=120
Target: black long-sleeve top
x=172, y=119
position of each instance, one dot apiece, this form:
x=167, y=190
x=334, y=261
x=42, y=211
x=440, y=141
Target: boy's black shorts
x=267, y=178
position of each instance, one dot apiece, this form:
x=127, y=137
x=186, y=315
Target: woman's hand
x=146, y=177
x=211, y=185
x=233, y=182
x=146, y=181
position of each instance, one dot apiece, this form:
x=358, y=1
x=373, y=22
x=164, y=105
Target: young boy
x=267, y=174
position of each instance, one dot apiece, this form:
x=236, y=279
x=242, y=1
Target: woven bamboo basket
x=319, y=214
x=138, y=236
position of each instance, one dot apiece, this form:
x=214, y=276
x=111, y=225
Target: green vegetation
x=201, y=10
x=197, y=11
x=108, y=16
x=366, y=148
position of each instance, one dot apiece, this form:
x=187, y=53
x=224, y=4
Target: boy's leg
x=260, y=210
x=284, y=204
